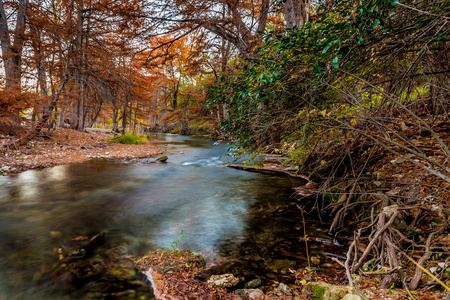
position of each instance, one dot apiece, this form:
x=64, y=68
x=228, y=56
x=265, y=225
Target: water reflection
x=225, y=213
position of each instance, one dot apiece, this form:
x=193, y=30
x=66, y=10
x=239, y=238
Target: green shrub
x=131, y=138
x=199, y=128
x=175, y=130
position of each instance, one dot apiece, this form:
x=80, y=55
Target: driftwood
x=266, y=171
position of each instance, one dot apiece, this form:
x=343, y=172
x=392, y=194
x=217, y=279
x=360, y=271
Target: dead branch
x=418, y=274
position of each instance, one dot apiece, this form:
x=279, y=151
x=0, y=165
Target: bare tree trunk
x=12, y=50
x=226, y=113
x=46, y=116
x=175, y=98
x=296, y=12
x=62, y=113
x=183, y=122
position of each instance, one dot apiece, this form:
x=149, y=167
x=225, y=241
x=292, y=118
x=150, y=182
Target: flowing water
x=248, y=222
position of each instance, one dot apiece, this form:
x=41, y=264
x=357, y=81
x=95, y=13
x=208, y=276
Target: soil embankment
x=67, y=146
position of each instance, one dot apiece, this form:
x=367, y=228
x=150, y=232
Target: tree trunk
x=175, y=97
x=296, y=12
x=12, y=51
x=62, y=113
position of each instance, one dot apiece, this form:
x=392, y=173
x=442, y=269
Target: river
x=246, y=221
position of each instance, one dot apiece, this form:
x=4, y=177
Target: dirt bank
x=67, y=146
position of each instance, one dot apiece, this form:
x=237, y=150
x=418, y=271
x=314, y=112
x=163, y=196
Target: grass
x=130, y=138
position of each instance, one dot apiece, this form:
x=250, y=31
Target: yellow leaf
x=353, y=122
x=323, y=113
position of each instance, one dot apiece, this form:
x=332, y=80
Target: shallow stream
x=244, y=221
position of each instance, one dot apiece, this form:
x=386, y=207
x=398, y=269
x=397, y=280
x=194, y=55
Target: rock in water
x=253, y=283
x=223, y=281
x=162, y=159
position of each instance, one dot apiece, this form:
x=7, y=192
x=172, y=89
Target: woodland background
x=347, y=90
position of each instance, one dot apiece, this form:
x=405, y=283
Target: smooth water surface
x=245, y=219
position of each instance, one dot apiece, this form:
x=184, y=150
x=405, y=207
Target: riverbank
x=68, y=146
x=299, y=275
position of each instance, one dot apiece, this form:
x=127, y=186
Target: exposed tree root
x=386, y=236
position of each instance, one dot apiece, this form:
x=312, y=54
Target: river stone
x=253, y=283
x=399, y=223
x=439, y=214
x=325, y=291
x=284, y=289
x=279, y=264
x=357, y=278
x=162, y=158
x=351, y=297
x=250, y=293
x=223, y=281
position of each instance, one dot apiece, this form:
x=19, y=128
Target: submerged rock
x=223, y=281
x=94, y=271
x=162, y=158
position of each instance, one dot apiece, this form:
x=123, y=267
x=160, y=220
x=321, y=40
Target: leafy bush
x=200, y=128
x=131, y=138
x=175, y=130
x=335, y=79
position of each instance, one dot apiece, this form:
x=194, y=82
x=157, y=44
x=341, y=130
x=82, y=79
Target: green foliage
x=202, y=127
x=304, y=84
x=131, y=138
x=175, y=130
x=174, y=244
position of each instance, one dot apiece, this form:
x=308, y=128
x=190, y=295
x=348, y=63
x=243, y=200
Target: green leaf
x=325, y=49
x=376, y=22
x=317, y=69
x=394, y=2
x=336, y=63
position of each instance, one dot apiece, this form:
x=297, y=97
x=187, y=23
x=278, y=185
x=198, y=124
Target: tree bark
x=12, y=51
x=296, y=12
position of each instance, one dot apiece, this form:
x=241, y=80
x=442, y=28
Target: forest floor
x=68, y=146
